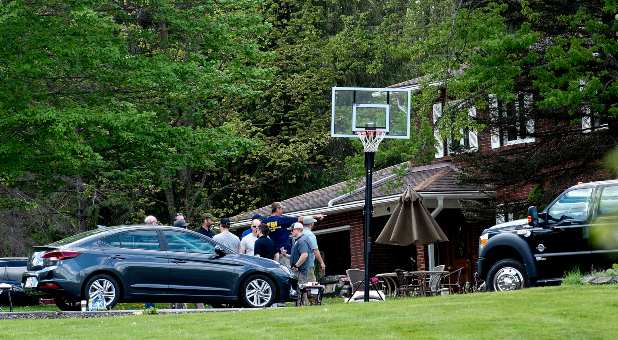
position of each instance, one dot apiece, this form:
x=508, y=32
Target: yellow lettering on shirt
x=272, y=225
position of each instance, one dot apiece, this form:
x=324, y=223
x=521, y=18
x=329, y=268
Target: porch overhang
x=384, y=205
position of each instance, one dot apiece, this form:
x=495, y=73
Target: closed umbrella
x=411, y=223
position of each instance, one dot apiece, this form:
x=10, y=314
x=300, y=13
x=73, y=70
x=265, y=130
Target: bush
x=573, y=278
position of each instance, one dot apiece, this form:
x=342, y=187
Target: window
x=608, y=206
x=178, y=241
x=573, y=205
x=135, y=239
x=590, y=121
x=467, y=142
x=512, y=122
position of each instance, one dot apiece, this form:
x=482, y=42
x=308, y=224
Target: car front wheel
x=506, y=275
x=103, y=287
x=258, y=291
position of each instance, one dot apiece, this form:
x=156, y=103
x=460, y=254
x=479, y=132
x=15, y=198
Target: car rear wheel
x=103, y=287
x=507, y=275
x=258, y=291
x=65, y=304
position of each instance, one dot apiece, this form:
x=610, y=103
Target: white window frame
x=498, y=138
x=473, y=141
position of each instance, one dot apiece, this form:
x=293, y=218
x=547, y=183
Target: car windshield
x=77, y=237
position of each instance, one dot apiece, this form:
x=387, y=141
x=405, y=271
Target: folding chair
x=357, y=282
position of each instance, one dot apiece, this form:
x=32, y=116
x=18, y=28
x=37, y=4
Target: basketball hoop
x=371, y=139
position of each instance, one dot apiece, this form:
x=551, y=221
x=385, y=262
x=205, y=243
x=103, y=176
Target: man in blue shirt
x=279, y=224
x=315, y=252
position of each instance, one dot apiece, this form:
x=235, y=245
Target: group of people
x=269, y=237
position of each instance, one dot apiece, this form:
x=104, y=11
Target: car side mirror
x=219, y=251
x=533, y=216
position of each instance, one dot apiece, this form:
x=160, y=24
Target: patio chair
x=454, y=281
x=435, y=279
x=357, y=283
x=405, y=284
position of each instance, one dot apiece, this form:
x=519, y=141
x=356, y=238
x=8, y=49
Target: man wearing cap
x=206, y=230
x=313, y=243
x=247, y=244
x=279, y=225
x=300, y=253
x=225, y=237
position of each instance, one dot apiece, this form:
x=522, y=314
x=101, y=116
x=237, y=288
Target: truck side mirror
x=533, y=216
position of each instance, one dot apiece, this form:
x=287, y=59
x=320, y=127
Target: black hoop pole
x=368, y=213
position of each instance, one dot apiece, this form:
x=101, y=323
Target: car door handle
x=178, y=261
x=118, y=257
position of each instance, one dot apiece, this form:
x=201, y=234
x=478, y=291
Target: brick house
x=340, y=234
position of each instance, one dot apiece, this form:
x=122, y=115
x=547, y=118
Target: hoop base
x=371, y=139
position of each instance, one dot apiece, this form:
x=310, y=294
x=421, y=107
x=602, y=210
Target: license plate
x=31, y=282
x=314, y=291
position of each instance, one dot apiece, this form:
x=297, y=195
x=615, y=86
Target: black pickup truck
x=579, y=229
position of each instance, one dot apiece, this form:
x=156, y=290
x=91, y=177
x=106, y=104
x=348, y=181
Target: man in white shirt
x=225, y=237
x=247, y=244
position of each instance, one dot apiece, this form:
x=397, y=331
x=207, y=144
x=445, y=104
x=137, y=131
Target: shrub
x=573, y=278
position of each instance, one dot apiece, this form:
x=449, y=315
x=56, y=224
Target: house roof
x=439, y=177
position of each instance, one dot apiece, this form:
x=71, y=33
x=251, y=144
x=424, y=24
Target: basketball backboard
x=356, y=109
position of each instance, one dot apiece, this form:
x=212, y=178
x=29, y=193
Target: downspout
x=431, y=247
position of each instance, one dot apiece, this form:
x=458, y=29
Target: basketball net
x=371, y=139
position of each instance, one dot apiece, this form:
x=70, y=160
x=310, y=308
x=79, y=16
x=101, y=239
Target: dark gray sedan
x=154, y=264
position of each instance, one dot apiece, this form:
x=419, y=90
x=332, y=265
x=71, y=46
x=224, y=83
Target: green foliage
x=573, y=278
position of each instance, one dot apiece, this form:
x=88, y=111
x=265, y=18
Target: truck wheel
x=505, y=275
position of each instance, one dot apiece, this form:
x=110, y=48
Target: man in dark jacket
x=206, y=228
x=264, y=246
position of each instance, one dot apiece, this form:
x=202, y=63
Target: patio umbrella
x=411, y=223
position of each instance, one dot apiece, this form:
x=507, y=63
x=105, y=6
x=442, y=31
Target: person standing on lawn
x=315, y=252
x=279, y=225
x=264, y=246
x=225, y=237
x=300, y=254
x=206, y=229
x=247, y=244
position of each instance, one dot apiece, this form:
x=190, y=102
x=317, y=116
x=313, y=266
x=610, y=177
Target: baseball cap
x=296, y=225
x=308, y=220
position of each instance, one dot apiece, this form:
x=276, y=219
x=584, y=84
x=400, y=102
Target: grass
x=539, y=313
x=573, y=278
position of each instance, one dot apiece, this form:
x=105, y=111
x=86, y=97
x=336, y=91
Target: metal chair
x=435, y=279
x=405, y=284
x=454, y=281
x=357, y=282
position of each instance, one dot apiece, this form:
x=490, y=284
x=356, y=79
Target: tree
x=116, y=109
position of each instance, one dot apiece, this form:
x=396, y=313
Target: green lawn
x=549, y=313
